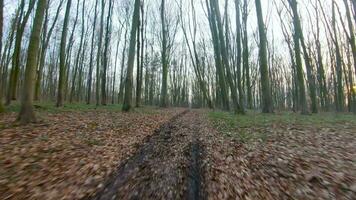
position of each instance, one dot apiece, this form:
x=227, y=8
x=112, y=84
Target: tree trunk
x=106, y=56
x=27, y=114
x=1, y=33
x=164, y=98
x=122, y=76
x=62, y=56
x=45, y=43
x=15, y=70
x=221, y=80
x=267, y=104
x=245, y=55
x=131, y=58
x=299, y=65
x=91, y=64
x=339, y=82
x=352, y=39
x=239, y=54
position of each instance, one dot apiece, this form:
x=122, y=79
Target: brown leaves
x=293, y=162
x=70, y=154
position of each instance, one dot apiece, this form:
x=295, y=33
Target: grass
x=239, y=126
x=260, y=119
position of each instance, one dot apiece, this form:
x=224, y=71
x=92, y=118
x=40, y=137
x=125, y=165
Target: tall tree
x=220, y=72
x=106, y=55
x=15, y=70
x=1, y=33
x=299, y=65
x=77, y=60
x=27, y=114
x=300, y=37
x=352, y=40
x=164, y=60
x=267, y=103
x=99, y=53
x=222, y=51
x=245, y=54
x=46, y=37
x=239, y=53
x=140, y=56
x=62, y=56
x=91, y=65
x=339, y=99
x=131, y=58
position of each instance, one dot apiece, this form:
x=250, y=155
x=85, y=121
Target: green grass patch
x=259, y=119
x=240, y=126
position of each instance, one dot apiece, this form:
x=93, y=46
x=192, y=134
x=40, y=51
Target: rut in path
x=167, y=166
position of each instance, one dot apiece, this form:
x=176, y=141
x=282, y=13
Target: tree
x=239, y=53
x=220, y=72
x=140, y=57
x=222, y=54
x=1, y=33
x=15, y=70
x=267, y=103
x=45, y=42
x=309, y=68
x=131, y=58
x=91, y=65
x=99, y=53
x=62, y=56
x=106, y=56
x=27, y=114
x=76, y=67
x=245, y=55
x=352, y=40
x=164, y=60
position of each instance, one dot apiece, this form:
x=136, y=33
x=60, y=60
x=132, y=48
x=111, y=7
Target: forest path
x=166, y=166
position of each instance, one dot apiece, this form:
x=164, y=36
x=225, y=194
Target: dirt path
x=167, y=166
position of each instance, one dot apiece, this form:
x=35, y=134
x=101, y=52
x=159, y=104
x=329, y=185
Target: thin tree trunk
x=91, y=64
x=76, y=68
x=45, y=43
x=164, y=98
x=15, y=70
x=106, y=56
x=239, y=54
x=62, y=56
x=131, y=57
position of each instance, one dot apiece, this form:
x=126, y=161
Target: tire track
x=167, y=166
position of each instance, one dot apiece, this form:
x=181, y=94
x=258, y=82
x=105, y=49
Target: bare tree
x=131, y=58
x=27, y=114
x=62, y=56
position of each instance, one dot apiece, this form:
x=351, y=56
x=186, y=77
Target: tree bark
x=15, y=70
x=27, y=114
x=1, y=33
x=131, y=58
x=267, y=104
x=62, y=56
x=164, y=98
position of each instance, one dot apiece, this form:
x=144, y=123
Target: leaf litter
x=70, y=154
x=79, y=155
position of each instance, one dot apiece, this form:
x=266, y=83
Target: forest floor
x=79, y=152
